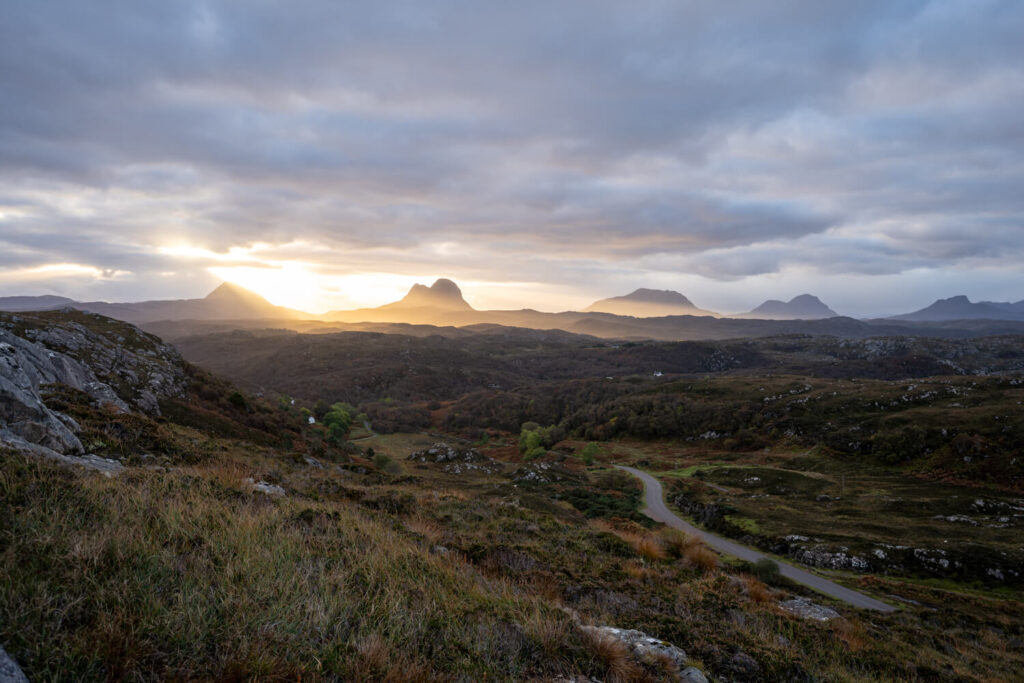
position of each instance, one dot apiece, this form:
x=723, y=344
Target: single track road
x=656, y=510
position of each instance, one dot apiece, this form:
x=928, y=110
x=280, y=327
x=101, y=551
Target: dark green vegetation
x=949, y=409
x=828, y=512
x=483, y=564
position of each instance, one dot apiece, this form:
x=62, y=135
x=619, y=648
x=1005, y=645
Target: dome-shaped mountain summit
x=803, y=307
x=647, y=303
x=443, y=294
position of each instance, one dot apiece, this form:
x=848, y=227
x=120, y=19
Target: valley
x=468, y=520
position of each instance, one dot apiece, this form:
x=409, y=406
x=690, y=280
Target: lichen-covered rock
x=745, y=666
x=642, y=646
x=115, y=364
x=692, y=674
x=456, y=460
x=265, y=487
x=803, y=607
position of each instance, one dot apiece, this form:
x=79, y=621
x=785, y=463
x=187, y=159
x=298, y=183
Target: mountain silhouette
x=227, y=302
x=648, y=303
x=803, y=307
x=961, y=308
x=46, y=302
x=443, y=294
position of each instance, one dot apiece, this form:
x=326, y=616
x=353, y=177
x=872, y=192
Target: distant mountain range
x=442, y=305
x=962, y=308
x=227, y=302
x=803, y=307
x=648, y=303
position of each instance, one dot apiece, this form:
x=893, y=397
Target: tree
x=589, y=452
x=338, y=421
x=534, y=440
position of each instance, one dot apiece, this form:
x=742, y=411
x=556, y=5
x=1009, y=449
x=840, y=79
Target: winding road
x=656, y=510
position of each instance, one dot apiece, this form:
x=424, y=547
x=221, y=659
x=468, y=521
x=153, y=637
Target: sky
x=330, y=154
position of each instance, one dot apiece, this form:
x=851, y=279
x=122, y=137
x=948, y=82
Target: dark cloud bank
x=551, y=141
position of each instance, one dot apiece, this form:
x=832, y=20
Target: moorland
x=444, y=506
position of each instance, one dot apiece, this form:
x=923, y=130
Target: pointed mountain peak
x=229, y=290
x=234, y=299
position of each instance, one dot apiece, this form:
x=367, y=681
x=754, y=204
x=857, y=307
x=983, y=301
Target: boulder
x=642, y=646
x=803, y=607
x=10, y=672
x=456, y=460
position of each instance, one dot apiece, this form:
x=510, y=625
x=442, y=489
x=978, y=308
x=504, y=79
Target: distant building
x=658, y=373
x=312, y=420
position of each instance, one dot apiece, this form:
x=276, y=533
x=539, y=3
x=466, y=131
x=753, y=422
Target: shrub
x=237, y=400
x=766, y=570
x=589, y=452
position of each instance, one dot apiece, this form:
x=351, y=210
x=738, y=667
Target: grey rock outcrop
x=115, y=364
x=644, y=647
x=803, y=607
x=456, y=460
x=692, y=674
x=10, y=672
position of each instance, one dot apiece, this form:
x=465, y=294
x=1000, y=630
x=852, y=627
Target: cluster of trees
x=388, y=417
x=535, y=441
x=338, y=421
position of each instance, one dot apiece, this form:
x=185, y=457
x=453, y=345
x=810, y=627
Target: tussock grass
x=178, y=575
x=756, y=590
x=647, y=545
x=617, y=665
x=425, y=527
x=701, y=558
x=677, y=542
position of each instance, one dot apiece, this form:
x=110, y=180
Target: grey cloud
x=789, y=127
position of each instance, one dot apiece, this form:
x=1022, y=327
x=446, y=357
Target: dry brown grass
x=617, y=665
x=699, y=557
x=650, y=548
x=756, y=590
x=416, y=671
x=851, y=633
x=639, y=571
x=426, y=527
x=546, y=586
x=551, y=632
x=372, y=656
x=676, y=542
x=227, y=473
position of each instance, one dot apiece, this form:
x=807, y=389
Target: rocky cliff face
x=116, y=364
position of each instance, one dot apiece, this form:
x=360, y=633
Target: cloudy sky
x=329, y=154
